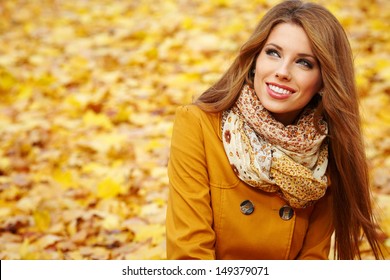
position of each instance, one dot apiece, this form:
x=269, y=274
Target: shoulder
x=192, y=118
x=194, y=110
x=195, y=114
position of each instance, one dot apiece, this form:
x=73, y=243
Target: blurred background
x=88, y=92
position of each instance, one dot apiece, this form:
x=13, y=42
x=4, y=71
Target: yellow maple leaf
x=42, y=219
x=220, y=3
x=100, y=120
x=64, y=178
x=7, y=80
x=25, y=251
x=106, y=142
x=48, y=240
x=111, y=222
x=108, y=188
x=187, y=23
x=154, y=232
x=25, y=92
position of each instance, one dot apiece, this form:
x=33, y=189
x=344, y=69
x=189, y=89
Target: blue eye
x=272, y=52
x=305, y=63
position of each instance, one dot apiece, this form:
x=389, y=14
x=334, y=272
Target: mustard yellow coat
x=204, y=220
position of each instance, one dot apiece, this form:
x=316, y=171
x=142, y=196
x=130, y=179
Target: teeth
x=279, y=90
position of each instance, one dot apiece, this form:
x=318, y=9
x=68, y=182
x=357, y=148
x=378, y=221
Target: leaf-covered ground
x=88, y=91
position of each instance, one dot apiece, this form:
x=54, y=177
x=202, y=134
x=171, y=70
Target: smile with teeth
x=279, y=90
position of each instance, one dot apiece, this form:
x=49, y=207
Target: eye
x=272, y=52
x=305, y=63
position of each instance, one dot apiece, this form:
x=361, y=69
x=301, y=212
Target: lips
x=283, y=90
x=279, y=92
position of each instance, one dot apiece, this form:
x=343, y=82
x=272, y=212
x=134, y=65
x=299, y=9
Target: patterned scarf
x=289, y=160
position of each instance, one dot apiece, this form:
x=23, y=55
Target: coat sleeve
x=189, y=214
x=317, y=242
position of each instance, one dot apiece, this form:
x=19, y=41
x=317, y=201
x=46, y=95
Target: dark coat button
x=247, y=207
x=286, y=212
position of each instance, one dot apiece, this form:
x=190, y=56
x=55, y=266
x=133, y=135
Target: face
x=287, y=73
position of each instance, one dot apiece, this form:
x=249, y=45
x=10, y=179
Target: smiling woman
x=259, y=165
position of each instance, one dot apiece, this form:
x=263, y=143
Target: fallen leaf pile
x=88, y=92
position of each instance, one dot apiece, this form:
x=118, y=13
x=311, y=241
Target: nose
x=283, y=73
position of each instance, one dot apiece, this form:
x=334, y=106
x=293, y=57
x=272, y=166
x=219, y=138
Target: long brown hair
x=352, y=209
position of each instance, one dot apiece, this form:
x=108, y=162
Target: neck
x=286, y=118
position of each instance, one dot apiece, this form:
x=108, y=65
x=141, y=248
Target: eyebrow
x=300, y=54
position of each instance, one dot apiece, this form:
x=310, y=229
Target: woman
x=269, y=161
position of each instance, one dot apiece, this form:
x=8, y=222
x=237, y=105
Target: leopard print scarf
x=288, y=160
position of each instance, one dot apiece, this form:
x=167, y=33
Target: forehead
x=290, y=37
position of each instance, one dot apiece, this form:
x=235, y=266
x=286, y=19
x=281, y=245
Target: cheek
x=313, y=83
x=262, y=72
x=262, y=65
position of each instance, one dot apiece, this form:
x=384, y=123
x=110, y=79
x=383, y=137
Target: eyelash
x=303, y=62
x=271, y=52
